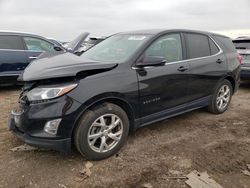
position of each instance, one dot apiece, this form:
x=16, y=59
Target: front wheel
x=221, y=98
x=101, y=132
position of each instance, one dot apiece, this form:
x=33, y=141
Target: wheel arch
x=232, y=81
x=99, y=100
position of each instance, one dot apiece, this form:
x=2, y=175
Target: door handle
x=182, y=69
x=32, y=57
x=219, y=61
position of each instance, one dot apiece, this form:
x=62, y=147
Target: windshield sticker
x=136, y=37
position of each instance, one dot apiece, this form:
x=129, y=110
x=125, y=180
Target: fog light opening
x=52, y=126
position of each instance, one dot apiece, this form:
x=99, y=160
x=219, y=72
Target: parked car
x=127, y=81
x=75, y=44
x=242, y=45
x=82, y=43
x=17, y=50
x=57, y=42
x=89, y=43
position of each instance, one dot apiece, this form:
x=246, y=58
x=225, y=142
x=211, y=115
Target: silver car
x=242, y=45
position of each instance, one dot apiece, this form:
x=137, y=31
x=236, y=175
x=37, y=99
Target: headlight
x=44, y=93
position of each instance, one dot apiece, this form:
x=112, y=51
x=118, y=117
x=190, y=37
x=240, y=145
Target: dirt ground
x=217, y=144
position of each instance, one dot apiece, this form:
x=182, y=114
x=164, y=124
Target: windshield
x=117, y=48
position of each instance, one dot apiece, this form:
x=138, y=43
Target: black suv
x=242, y=45
x=127, y=81
x=17, y=50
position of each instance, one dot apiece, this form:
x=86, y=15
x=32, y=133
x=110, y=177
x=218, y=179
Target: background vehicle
x=17, y=50
x=82, y=43
x=242, y=45
x=58, y=43
x=89, y=43
x=127, y=81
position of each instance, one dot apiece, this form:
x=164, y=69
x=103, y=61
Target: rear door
x=35, y=46
x=13, y=59
x=164, y=88
x=207, y=65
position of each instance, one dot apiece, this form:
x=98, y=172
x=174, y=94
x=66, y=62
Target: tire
x=95, y=126
x=217, y=107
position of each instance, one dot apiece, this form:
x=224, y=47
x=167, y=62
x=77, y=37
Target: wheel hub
x=105, y=133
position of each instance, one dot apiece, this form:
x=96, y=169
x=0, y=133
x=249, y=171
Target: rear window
x=213, y=47
x=11, y=42
x=227, y=43
x=198, y=45
x=242, y=44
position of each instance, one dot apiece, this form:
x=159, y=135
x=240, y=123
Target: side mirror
x=58, y=48
x=152, y=61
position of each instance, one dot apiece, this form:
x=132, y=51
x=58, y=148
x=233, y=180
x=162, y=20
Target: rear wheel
x=101, y=132
x=221, y=98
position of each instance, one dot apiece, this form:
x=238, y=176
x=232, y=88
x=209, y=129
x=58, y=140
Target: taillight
x=240, y=59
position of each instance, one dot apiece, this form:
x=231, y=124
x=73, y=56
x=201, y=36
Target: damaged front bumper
x=63, y=145
x=28, y=122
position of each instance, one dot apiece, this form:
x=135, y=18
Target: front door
x=36, y=46
x=163, y=89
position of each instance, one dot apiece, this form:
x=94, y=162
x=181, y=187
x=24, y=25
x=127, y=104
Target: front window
x=168, y=46
x=35, y=44
x=117, y=48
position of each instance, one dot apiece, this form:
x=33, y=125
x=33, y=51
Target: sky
x=65, y=19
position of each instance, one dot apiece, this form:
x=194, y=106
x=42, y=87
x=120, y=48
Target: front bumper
x=28, y=123
x=63, y=145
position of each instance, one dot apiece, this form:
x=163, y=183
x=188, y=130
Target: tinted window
x=227, y=43
x=36, y=44
x=242, y=44
x=214, y=49
x=11, y=42
x=168, y=46
x=197, y=45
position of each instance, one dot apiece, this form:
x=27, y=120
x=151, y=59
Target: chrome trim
x=245, y=68
x=32, y=57
x=15, y=50
x=2, y=75
x=186, y=60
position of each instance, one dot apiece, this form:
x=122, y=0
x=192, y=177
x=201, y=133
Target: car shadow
x=245, y=84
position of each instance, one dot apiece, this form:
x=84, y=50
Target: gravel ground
x=217, y=144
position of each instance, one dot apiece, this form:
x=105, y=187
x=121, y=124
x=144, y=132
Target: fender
x=105, y=97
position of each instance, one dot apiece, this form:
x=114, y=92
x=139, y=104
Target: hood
x=62, y=65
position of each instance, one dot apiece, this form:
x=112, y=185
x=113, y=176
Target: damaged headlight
x=47, y=92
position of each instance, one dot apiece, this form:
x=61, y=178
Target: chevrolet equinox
x=130, y=80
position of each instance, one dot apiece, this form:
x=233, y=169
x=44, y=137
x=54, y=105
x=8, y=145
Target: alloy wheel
x=105, y=133
x=223, y=97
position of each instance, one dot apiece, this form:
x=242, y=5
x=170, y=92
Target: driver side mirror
x=152, y=61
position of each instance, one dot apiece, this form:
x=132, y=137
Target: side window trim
x=184, y=47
